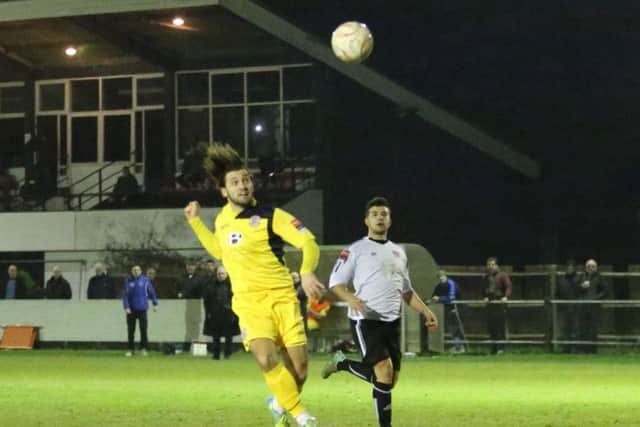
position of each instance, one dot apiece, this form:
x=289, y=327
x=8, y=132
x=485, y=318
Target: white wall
x=94, y=230
x=104, y=321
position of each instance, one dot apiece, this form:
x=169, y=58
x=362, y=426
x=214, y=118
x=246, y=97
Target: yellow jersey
x=250, y=244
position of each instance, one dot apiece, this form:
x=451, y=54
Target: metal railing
x=551, y=337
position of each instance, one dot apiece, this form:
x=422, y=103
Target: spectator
x=101, y=286
x=498, y=289
x=447, y=292
x=302, y=297
x=152, y=273
x=190, y=285
x=8, y=184
x=125, y=188
x=567, y=289
x=220, y=321
x=13, y=287
x=137, y=291
x=57, y=287
x=591, y=287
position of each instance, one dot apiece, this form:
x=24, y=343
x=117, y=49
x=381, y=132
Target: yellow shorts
x=274, y=315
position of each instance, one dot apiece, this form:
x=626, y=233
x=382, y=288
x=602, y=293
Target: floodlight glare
x=71, y=51
x=178, y=21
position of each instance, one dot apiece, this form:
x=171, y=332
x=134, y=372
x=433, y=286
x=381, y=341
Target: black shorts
x=378, y=340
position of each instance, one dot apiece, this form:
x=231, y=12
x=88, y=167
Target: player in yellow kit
x=249, y=240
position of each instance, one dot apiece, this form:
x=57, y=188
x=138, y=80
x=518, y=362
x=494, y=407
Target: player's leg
x=291, y=332
x=382, y=384
x=387, y=370
x=256, y=323
x=296, y=361
x=280, y=381
x=339, y=362
x=396, y=377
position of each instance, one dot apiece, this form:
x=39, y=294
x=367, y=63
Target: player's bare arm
x=414, y=301
x=343, y=294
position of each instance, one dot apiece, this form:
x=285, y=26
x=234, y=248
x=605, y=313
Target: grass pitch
x=103, y=388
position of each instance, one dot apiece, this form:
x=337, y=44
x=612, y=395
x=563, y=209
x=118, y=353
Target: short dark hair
x=492, y=258
x=377, y=201
x=220, y=159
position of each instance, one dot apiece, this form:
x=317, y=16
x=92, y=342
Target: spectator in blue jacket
x=135, y=299
x=447, y=292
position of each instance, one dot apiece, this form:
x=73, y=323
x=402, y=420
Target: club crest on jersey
x=344, y=255
x=254, y=221
x=235, y=238
x=298, y=224
x=395, y=253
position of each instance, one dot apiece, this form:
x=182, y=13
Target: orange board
x=19, y=336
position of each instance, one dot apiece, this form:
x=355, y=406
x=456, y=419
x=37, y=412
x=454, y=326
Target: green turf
x=92, y=388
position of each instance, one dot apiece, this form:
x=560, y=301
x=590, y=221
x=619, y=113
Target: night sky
x=557, y=80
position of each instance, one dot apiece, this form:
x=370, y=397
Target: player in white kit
x=378, y=270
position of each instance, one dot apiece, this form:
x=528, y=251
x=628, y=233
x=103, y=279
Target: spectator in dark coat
x=592, y=286
x=125, y=188
x=101, y=286
x=498, y=289
x=567, y=289
x=190, y=285
x=57, y=286
x=13, y=287
x=220, y=320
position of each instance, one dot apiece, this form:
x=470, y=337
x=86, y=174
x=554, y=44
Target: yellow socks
x=285, y=389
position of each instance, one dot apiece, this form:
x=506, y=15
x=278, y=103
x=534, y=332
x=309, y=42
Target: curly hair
x=220, y=159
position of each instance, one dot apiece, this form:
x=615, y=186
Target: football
x=352, y=42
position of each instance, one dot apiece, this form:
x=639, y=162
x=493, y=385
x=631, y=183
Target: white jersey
x=380, y=276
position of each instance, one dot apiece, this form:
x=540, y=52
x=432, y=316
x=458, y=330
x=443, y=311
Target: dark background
x=556, y=80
